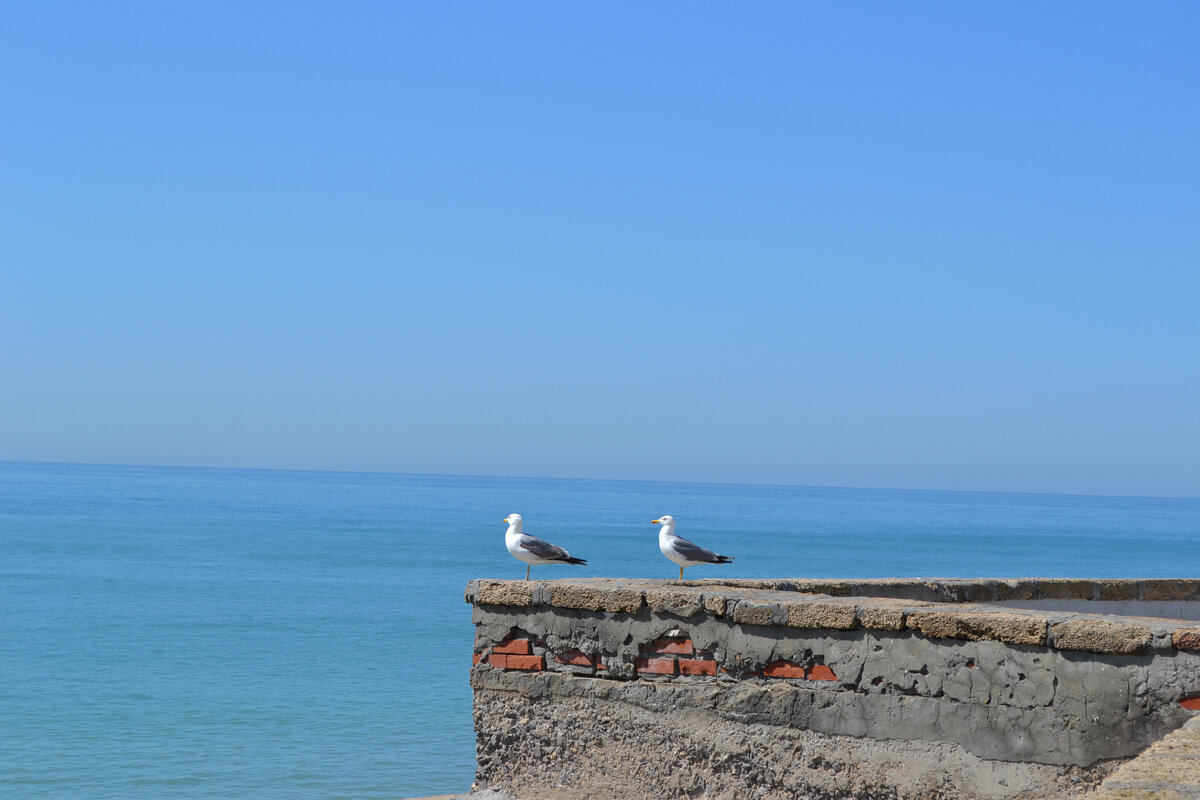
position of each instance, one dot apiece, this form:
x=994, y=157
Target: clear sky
x=922, y=245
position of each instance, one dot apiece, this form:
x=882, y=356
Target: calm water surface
x=189, y=633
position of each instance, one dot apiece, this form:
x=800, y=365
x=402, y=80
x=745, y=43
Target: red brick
x=514, y=647
x=696, y=667
x=656, y=666
x=498, y=661
x=1191, y=704
x=526, y=662
x=475, y=658
x=575, y=657
x=783, y=669
x=820, y=672
x=682, y=647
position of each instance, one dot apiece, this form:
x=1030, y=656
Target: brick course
x=783, y=669
x=820, y=672
x=514, y=647
x=673, y=645
x=656, y=666
x=697, y=667
x=575, y=658
x=525, y=662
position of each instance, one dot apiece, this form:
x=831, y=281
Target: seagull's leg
x=681, y=573
x=527, y=571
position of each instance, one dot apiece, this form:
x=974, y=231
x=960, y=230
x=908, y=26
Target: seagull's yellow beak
x=655, y=521
x=504, y=520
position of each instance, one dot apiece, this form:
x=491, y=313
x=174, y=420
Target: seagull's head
x=665, y=520
x=513, y=519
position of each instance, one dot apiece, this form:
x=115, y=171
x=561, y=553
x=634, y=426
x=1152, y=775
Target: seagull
x=531, y=549
x=680, y=550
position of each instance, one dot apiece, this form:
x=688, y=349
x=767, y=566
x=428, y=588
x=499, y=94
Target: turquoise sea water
x=189, y=633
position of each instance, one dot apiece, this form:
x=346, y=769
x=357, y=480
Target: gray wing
x=694, y=552
x=542, y=548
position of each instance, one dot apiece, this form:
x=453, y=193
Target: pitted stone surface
x=879, y=617
x=835, y=616
x=504, y=593
x=1100, y=636
x=1186, y=638
x=1171, y=589
x=596, y=598
x=972, y=626
x=1064, y=589
x=1117, y=590
x=681, y=602
x=750, y=613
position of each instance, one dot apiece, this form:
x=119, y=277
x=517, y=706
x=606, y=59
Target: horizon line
x=610, y=480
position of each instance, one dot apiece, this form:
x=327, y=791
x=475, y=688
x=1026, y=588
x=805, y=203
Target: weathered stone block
x=594, y=598
x=1016, y=590
x=881, y=618
x=1066, y=589
x=748, y=613
x=1168, y=589
x=1116, y=590
x=978, y=591
x=715, y=604
x=831, y=588
x=1186, y=639
x=505, y=593
x=1100, y=636
x=973, y=626
x=681, y=602
x=838, y=616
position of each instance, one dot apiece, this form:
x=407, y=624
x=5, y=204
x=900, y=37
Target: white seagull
x=680, y=550
x=531, y=549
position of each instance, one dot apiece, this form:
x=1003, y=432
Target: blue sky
x=925, y=245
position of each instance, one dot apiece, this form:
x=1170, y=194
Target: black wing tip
x=724, y=559
x=573, y=560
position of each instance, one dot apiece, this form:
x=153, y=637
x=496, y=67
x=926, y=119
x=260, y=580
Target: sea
x=173, y=632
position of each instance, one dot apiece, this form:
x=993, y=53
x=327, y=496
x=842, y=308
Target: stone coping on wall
x=935, y=608
x=935, y=590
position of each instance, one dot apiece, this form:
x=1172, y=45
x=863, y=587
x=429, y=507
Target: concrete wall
x=611, y=688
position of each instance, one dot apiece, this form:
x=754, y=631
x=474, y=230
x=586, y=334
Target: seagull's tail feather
x=572, y=560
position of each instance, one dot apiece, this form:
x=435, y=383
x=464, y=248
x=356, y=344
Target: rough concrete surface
x=550, y=747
